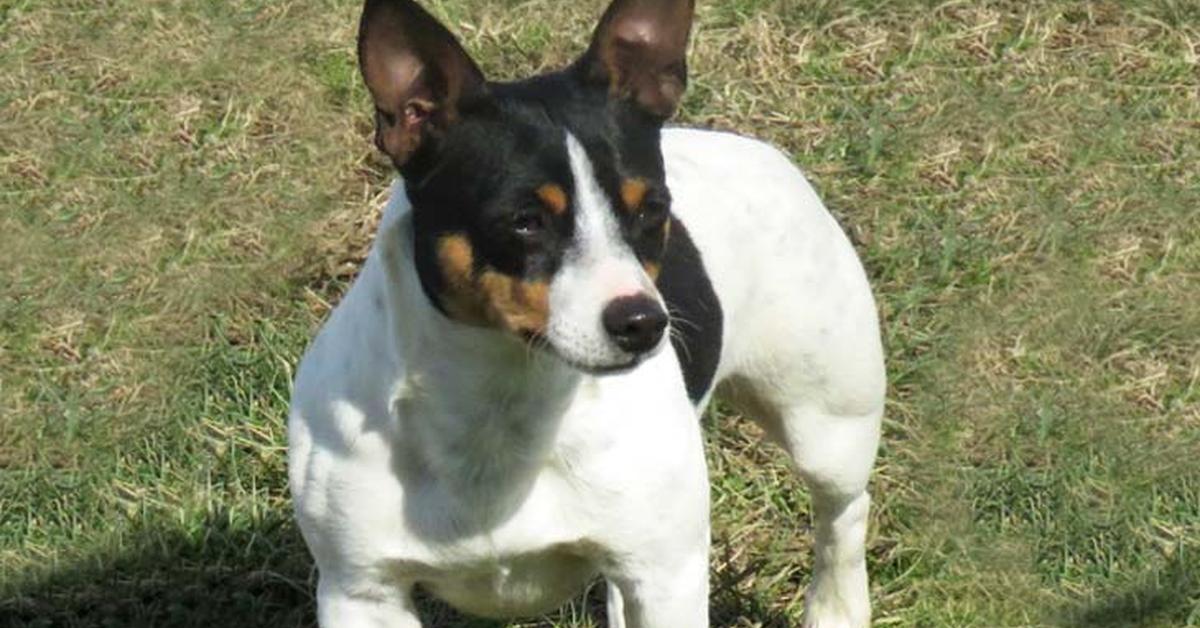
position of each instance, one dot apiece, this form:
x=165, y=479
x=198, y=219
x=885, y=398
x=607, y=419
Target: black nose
x=635, y=323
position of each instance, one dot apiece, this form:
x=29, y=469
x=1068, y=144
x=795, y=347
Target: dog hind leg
x=616, y=606
x=834, y=456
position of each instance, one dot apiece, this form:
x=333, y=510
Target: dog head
x=540, y=207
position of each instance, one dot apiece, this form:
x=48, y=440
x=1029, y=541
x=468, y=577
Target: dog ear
x=639, y=51
x=417, y=72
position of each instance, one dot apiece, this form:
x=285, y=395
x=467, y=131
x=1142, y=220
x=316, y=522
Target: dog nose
x=635, y=323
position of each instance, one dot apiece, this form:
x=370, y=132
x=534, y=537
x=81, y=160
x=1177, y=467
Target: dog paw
x=831, y=611
x=836, y=620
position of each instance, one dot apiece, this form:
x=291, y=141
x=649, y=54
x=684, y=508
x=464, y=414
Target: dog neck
x=478, y=410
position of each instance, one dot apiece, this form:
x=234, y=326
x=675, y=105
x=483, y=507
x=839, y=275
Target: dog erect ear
x=417, y=73
x=639, y=51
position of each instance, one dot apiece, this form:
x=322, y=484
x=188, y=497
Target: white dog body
x=427, y=452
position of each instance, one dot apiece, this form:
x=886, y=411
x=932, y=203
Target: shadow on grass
x=1168, y=596
x=247, y=577
x=214, y=575
x=731, y=606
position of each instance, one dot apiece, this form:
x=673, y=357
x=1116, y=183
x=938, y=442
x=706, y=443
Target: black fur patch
x=482, y=176
x=696, y=317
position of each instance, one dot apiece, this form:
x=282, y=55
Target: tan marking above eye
x=653, y=270
x=633, y=192
x=554, y=197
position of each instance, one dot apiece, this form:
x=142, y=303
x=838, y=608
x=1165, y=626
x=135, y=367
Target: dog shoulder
x=347, y=365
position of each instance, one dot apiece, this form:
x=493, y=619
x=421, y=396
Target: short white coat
x=426, y=452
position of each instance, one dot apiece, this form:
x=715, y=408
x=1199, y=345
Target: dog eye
x=389, y=119
x=652, y=214
x=527, y=224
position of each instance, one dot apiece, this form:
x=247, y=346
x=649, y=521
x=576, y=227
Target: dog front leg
x=339, y=606
x=669, y=594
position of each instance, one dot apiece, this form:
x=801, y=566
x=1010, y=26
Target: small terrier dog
x=505, y=405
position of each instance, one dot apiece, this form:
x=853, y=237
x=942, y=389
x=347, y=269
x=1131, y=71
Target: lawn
x=186, y=187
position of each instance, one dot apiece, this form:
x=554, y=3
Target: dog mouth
x=606, y=369
x=601, y=370
x=540, y=342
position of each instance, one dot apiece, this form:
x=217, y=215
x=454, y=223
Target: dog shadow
x=730, y=608
x=1168, y=595
x=213, y=575
x=256, y=576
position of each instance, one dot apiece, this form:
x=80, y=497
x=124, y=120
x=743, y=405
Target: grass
x=186, y=187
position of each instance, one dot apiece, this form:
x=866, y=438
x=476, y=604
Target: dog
x=505, y=405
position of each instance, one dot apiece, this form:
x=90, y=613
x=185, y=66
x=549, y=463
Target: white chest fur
x=501, y=495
